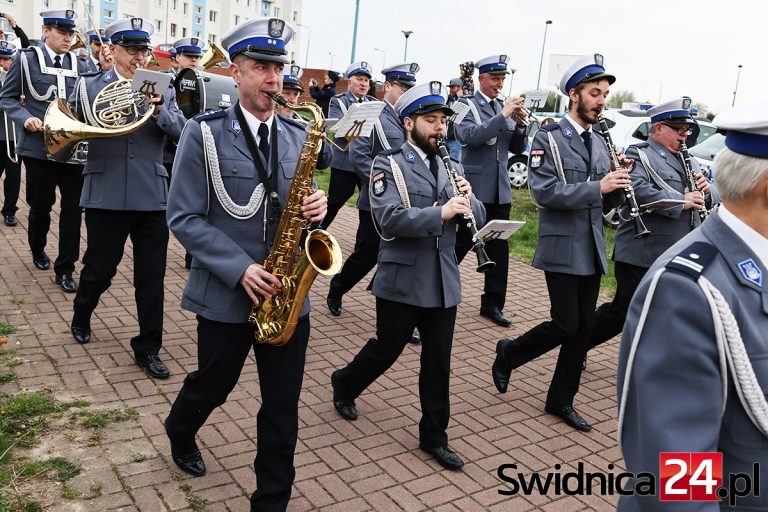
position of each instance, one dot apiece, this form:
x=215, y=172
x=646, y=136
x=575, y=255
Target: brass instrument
x=484, y=264
x=296, y=269
x=634, y=209
x=77, y=42
x=213, y=55
x=152, y=61
x=12, y=156
x=115, y=109
x=703, y=212
x=529, y=115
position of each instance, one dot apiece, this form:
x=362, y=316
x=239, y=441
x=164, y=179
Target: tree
x=702, y=108
x=617, y=98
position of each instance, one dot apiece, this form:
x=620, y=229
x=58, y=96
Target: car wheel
x=517, y=169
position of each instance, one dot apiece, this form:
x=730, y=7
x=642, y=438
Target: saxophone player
x=228, y=229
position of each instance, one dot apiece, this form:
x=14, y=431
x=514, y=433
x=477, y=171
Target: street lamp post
x=309, y=34
x=543, y=44
x=383, y=57
x=354, y=31
x=407, y=34
x=736, y=89
x=331, y=66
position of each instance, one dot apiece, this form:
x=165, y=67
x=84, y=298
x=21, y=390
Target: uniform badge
x=136, y=23
x=481, y=102
x=662, y=153
x=193, y=41
x=751, y=272
x=364, y=65
x=70, y=14
x=599, y=60
x=236, y=126
x=686, y=103
x=568, y=132
x=410, y=156
x=535, y=161
x=434, y=88
x=3, y=44
x=379, y=184
x=276, y=27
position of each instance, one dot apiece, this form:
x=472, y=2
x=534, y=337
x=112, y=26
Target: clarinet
x=484, y=264
x=703, y=212
x=634, y=210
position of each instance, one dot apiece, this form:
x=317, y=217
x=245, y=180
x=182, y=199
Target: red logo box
x=690, y=476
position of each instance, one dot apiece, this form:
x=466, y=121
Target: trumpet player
x=487, y=133
x=38, y=76
x=573, y=186
x=125, y=195
x=417, y=282
x=229, y=233
x=9, y=161
x=100, y=58
x=659, y=174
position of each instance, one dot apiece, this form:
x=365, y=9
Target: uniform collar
x=254, y=123
x=95, y=61
x=421, y=154
x=576, y=126
x=52, y=54
x=753, y=239
x=486, y=98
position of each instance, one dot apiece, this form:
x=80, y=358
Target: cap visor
x=432, y=108
x=266, y=56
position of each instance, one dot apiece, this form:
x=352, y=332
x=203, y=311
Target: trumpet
x=528, y=116
x=484, y=263
x=692, y=176
x=12, y=156
x=634, y=209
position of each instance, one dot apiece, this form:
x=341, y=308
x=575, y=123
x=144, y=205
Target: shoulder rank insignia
x=694, y=259
x=751, y=272
x=212, y=114
x=392, y=151
x=379, y=184
x=641, y=145
x=550, y=127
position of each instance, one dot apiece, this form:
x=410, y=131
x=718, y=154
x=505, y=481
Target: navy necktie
x=433, y=168
x=587, y=137
x=493, y=105
x=264, y=142
x=57, y=62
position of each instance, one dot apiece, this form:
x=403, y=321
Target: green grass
x=100, y=419
x=6, y=329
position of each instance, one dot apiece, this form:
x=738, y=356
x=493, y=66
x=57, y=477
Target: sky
x=658, y=49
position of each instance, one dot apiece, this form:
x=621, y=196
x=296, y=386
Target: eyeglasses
x=135, y=50
x=681, y=130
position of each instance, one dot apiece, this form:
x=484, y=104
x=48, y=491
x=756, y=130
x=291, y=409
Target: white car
x=705, y=152
x=629, y=127
x=517, y=164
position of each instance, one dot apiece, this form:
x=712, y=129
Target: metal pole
x=383, y=57
x=309, y=34
x=166, y=19
x=407, y=34
x=543, y=44
x=331, y=66
x=354, y=32
x=736, y=89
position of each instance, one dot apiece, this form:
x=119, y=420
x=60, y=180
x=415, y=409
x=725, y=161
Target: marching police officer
x=344, y=179
x=125, y=195
x=573, y=186
x=11, y=168
x=659, y=174
x=187, y=53
x=38, y=76
x=229, y=229
x=388, y=133
x=692, y=373
x=99, y=58
x=487, y=133
x=292, y=89
x=454, y=93
x=417, y=282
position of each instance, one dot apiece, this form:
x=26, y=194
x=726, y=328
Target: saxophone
x=296, y=267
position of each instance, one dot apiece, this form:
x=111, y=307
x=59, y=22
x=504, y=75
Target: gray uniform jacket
x=92, y=66
x=418, y=266
x=570, y=215
x=169, y=148
x=666, y=225
x=341, y=159
x=675, y=396
x=31, y=143
x=363, y=150
x=486, y=164
x=126, y=173
x=223, y=246
x=3, y=132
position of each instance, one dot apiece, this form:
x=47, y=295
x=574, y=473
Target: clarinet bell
x=484, y=263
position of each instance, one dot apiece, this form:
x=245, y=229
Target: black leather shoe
x=494, y=314
x=41, y=261
x=10, y=220
x=569, y=415
x=415, y=338
x=66, y=283
x=334, y=305
x=445, y=457
x=346, y=408
x=190, y=462
x=501, y=369
x=82, y=335
x=152, y=365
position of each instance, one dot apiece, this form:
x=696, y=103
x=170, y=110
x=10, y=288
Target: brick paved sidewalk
x=371, y=464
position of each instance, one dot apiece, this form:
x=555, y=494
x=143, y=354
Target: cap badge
x=193, y=41
x=3, y=44
x=295, y=69
x=276, y=27
x=364, y=65
x=434, y=88
x=414, y=67
x=599, y=60
x=69, y=14
x=686, y=103
x=136, y=23
x=503, y=59
x=751, y=272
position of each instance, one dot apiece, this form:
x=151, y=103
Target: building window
x=109, y=13
x=212, y=16
x=71, y=4
x=159, y=3
x=186, y=8
x=198, y=20
x=276, y=12
x=46, y=3
x=173, y=30
x=199, y=9
x=237, y=19
x=174, y=4
x=212, y=38
x=295, y=15
x=198, y=34
x=159, y=25
x=183, y=31
x=266, y=8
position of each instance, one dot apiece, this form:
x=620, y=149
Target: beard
x=587, y=115
x=424, y=142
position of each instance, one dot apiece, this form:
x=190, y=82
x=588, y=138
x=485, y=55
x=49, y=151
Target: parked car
x=629, y=127
x=705, y=152
x=517, y=164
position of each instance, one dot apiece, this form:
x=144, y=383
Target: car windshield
x=706, y=133
x=708, y=149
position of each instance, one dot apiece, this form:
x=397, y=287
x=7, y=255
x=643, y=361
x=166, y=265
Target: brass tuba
x=212, y=56
x=296, y=269
x=115, y=109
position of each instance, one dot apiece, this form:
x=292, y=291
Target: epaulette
x=91, y=73
x=210, y=114
x=456, y=160
x=693, y=259
x=550, y=126
x=641, y=145
x=392, y=151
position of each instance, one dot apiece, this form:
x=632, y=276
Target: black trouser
x=107, y=232
x=340, y=189
x=395, y=322
x=495, y=289
x=573, y=299
x=12, y=183
x=43, y=176
x=362, y=259
x=608, y=320
x=222, y=349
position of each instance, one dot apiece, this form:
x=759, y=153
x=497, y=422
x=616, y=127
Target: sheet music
x=460, y=111
x=661, y=204
x=535, y=99
x=499, y=229
x=359, y=120
x=150, y=82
